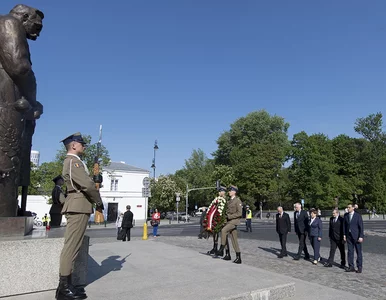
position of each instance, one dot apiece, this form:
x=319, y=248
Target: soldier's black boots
x=79, y=292
x=213, y=251
x=227, y=255
x=220, y=251
x=63, y=291
x=66, y=291
x=238, y=258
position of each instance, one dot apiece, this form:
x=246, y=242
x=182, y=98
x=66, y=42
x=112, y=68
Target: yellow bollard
x=144, y=237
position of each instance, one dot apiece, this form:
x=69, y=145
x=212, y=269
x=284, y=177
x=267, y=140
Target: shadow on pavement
x=110, y=264
x=276, y=251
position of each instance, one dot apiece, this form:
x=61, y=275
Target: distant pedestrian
x=335, y=233
x=127, y=223
x=202, y=218
x=315, y=234
x=283, y=227
x=353, y=235
x=248, y=219
x=155, y=220
x=118, y=222
x=374, y=213
x=44, y=220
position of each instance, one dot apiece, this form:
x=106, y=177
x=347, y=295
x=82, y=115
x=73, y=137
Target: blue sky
x=182, y=71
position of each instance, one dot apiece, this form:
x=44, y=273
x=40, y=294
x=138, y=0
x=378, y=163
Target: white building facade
x=122, y=185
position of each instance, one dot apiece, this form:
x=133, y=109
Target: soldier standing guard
x=77, y=209
x=234, y=214
x=58, y=198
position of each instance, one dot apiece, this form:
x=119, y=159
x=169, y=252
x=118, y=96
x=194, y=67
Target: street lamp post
x=153, y=164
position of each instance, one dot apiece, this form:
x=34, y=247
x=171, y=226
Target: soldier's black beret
x=76, y=137
x=233, y=188
x=57, y=178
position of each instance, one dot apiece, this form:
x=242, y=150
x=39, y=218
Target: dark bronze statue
x=18, y=106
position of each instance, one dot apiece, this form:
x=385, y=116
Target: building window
x=114, y=185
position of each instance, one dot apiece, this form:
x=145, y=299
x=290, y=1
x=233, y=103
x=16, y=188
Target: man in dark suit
x=336, y=239
x=353, y=235
x=301, y=229
x=283, y=227
x=127, y=223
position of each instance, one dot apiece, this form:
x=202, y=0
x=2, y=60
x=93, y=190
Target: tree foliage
x=255, y=149
x=163, y=194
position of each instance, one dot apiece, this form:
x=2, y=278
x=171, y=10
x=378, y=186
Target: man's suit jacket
x=355, y=227
x=127, y=221
x=283, y=224
x=335, y=231
x=301, y=223
x=316, y=227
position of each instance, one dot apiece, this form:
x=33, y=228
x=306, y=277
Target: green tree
x=41, y=179
x=313, y=170
x=163, y=194
x=255, y=148
x=371, y=128
x=198, y=173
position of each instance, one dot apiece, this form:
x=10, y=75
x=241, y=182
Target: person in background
x=155, y=220
x=202, y=218
x=248, y=219
x=127, y=223
x=315, y=234
x=118, y=223
x=44, y=220
x=58, y=199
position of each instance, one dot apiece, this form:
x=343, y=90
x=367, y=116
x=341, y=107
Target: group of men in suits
x=347, y=229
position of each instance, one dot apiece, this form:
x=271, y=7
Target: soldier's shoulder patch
x=76, y=165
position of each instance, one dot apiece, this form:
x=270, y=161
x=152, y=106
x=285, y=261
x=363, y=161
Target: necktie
x=280, y=216
x=297, y=215
x=350, y=217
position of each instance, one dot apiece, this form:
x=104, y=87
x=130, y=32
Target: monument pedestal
x=29, y=266
x=15, y=226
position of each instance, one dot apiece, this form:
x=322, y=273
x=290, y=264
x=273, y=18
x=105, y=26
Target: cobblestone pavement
x=263, y=254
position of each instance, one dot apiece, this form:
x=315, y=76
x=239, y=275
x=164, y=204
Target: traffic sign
x=146, y=192
x=146, y=182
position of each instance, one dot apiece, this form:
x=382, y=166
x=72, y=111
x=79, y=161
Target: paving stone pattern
x=263, y=254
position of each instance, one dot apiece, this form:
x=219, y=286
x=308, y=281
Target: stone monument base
x=33, y=265
x=15, y=226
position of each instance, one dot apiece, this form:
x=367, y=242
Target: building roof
x=122, y=166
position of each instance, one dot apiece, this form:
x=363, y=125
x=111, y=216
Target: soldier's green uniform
x=77, y=209
x=234, y=214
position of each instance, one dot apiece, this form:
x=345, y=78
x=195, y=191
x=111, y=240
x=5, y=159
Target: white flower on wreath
x=221, y=204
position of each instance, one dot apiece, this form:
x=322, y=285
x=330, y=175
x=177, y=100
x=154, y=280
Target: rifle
x=97, y=178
